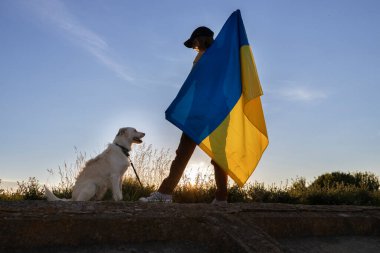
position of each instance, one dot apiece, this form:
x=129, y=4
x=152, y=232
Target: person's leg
x=221, y=179
x=183, y=154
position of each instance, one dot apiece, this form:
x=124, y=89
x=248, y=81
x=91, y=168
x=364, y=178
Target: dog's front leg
x=121, y=186
x=101, y=192
x=116, y=189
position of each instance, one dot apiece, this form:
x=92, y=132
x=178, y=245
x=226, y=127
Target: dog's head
x=128, y=135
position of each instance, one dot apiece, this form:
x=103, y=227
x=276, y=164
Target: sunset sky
x=73, y=72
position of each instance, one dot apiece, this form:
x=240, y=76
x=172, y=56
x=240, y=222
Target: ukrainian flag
x=219, y=104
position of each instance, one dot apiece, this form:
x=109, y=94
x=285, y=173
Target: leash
x=126, y=153
x=137, y=176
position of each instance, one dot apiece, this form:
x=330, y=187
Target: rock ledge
x=40, y=226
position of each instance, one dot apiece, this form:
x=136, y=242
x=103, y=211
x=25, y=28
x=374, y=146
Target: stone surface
x=40, y=226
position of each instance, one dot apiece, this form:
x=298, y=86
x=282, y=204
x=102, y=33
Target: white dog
x=104, y=171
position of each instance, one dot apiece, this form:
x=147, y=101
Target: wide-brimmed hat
x=200, y=31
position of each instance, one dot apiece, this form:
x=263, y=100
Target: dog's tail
x=50, y=195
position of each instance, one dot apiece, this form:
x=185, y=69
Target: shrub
x=132, y=189
x=237, y=194
x=30, y=190
x=366, y=180
x=359, y=188
x=258, y=193
x=188, y=193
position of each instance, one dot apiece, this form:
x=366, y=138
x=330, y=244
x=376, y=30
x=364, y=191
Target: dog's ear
x=121, y=131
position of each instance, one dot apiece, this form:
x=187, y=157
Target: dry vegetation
x=152, y=165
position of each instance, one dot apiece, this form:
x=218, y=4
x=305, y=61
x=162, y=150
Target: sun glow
x=197, y=173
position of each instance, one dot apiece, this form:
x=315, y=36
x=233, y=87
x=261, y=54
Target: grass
x=336, y=188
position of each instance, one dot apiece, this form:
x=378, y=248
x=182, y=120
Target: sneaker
x=157, y=197
x=219, y=202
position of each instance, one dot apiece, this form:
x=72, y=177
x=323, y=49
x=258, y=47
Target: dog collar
x=125, y=150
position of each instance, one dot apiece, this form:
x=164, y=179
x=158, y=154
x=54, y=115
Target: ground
x=115, y=227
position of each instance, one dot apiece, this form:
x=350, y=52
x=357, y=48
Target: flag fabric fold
x=219, y=104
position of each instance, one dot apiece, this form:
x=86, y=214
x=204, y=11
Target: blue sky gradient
x=73, y=72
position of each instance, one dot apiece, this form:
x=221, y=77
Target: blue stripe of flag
x=213, y=86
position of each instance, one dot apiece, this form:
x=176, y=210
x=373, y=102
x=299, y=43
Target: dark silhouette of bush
x=30, y=190
x=362, y=180
x=335, y=190
x=237, y=194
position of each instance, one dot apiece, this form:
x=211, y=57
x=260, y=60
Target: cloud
x=302, y=94
x=56, y=13
x=294, y=92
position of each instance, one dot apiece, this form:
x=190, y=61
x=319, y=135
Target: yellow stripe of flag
x=239, y=142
